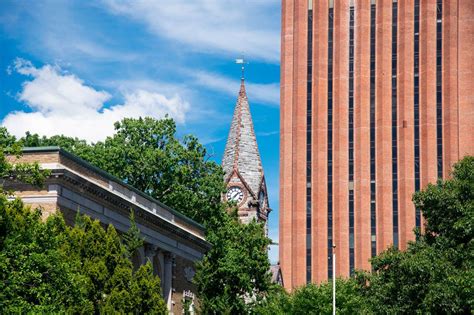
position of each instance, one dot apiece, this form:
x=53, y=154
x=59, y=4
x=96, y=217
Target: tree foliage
x=24, y=172
x=132, y=238
x=48, y=267
x=316, y=299
x=35, y=275
x=435, y=274
x=114, y=286
x=235, y=272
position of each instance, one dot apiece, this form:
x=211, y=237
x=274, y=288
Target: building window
x=416, y=102
x=373, y=222
x=329, y=149
x=351, y=140
x=439, y=81
x=394, y=126
x=308, y=143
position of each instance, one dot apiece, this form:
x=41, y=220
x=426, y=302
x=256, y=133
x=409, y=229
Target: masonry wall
x=399, y=80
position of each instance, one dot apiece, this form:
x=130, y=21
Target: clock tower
x=242, y=165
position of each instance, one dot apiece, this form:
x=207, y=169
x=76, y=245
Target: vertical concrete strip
x=320, y=122
x=428, y=161
x=383, y=124
x=286, y=142
x=466, y=77
x=299, y=144
x=340, y=136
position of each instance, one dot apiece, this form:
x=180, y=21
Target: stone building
x=173, y=242
x=377, y=101
x=242, y=165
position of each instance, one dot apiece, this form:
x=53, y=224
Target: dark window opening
x=308, y=146
x=394, y=126
x=417, y=106
x=439, y=97
x=373, y=222
x=351, y=140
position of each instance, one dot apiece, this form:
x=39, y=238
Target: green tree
x=112, y=284
x=235, y=272
x=132, y=239
x=49, y=267
x=6, y=139
x=36, y=276
x=11, y=168
x=435, y=274
x=317, y=299
x=67, y=143
x=276, y=302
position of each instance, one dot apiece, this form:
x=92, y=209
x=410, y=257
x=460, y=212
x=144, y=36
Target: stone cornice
x=106, y=176
x=114, y=200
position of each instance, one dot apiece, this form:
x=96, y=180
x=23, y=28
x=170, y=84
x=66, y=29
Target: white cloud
x=231, y=27
x=52, y=91
x=257, y=92
x=267, y=133
x=61, y=103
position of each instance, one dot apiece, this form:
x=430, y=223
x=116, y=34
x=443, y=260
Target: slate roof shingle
x=241, y=151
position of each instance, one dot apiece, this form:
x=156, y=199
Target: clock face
x=235, y=194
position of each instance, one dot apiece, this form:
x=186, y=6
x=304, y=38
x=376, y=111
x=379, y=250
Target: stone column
x=161, y=269
x=167, y=279
x=162, y=264
x=150, y=252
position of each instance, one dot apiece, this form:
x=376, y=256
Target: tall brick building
x=242, y=165
x=377, y=101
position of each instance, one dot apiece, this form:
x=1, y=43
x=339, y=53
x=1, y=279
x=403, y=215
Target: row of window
x=308, y=145
x=351, y=141
x=394, y=126
x=439, y=108
x=416, y=102
x=373, y=228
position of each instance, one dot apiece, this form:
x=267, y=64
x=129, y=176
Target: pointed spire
x=242, y=92
x=241, y=152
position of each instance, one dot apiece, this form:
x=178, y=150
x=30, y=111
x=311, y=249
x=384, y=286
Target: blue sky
x=74, y=67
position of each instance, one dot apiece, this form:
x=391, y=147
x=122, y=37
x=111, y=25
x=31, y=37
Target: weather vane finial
x=243, y=62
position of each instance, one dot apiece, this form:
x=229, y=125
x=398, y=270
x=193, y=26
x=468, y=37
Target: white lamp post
x=334, y=279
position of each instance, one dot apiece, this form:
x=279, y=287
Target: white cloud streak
x=268, y=133
x=230, y=27
x=61, y=103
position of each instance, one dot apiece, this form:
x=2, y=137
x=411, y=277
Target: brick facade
x=402, y=89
